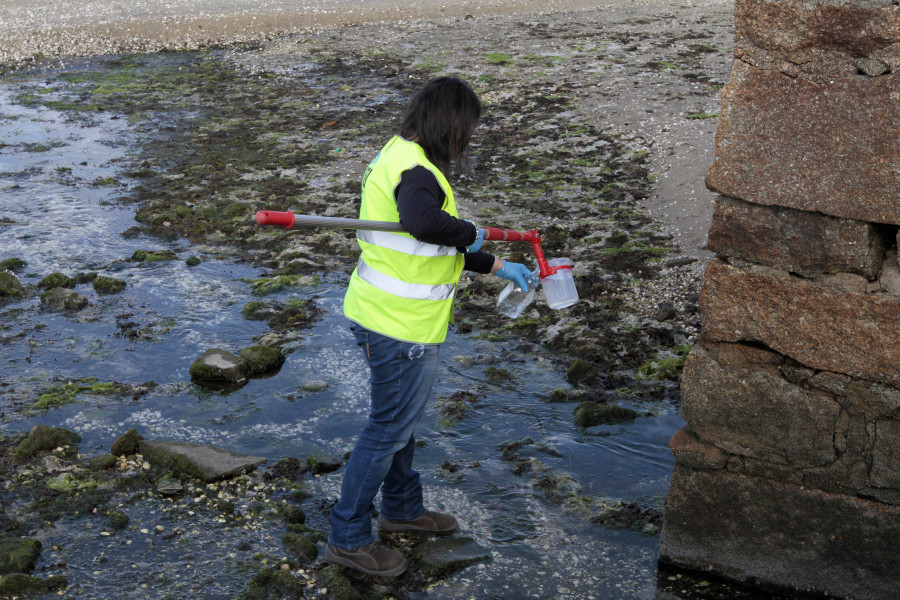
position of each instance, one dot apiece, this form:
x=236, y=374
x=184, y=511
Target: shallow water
x=60, y=177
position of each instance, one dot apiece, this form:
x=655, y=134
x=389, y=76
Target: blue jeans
x=401, y=375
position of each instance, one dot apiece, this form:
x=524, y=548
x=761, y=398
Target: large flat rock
x=210, y=463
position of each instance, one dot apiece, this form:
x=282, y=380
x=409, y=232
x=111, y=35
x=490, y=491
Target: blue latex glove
x=479, y=240
x=519, y=274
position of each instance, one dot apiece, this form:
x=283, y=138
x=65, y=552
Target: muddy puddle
x=173, y=153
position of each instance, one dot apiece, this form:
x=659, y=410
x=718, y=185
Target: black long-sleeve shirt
x=419, y=200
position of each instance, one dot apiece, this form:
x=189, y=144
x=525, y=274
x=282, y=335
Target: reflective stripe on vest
x=404, y=289
x=404, y=244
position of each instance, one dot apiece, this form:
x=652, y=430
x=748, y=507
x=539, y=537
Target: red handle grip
x=509, y=235
x=274, y=217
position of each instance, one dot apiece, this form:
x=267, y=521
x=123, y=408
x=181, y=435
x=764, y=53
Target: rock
x=209, y=463
x=54, y=280
x=340, y=587
x=788, y=142
x=756, y=412
x=314, y=386
x=754, y=528
x=42, y=438
x=63, y=299
x=850, y=333
x=219, y=365
x=323, y=463
x=293, y=514
x=12, y=264
x=691, y=452
x=886, y=454
x=665, y=312
x=107, y=285
x=562, y=395
x=273, y=583
x=681, y=261
x=192, y=261
x=127, y=444
x=581, y=371
x=153, y=255
x=262, y=359
x=590, y=413
x=169, y=486
x=116, y=519
x=300, y=545
x=259, y=310
x=17, y=585
x=820, y=40
x=783, y=238
x=103, y=462
x=10, y=286
x=286, y=584
x=18, y=555
x=288, y=467
x=441, y=557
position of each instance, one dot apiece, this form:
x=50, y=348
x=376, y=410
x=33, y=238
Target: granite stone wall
x=787, y=472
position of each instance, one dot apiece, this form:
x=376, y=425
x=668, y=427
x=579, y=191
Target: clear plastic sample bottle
x=513, y=300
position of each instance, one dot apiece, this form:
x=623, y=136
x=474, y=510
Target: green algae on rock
x=590, y=413
x=12, y=264
x=300, y=545
x=56, y=279
x=59, y=395
x=116, y=519
x=293, y=514
x=340, y=587
x=217, y=364
x=43, y=438
x=18, y=555
x=262, y=359
x=127, y=444
x=63, y=299
x=153, y=255
x=107, y=285
x=16, y=584
x=10, y=287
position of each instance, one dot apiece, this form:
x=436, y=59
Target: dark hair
x=441, y=118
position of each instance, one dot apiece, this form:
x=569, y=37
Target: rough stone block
x=802, y=242
x=691, y=452
x=829, y=147
x=886, y=460
x=818, y=39
x=758, y=414
x=750, y=528
x=822, y=328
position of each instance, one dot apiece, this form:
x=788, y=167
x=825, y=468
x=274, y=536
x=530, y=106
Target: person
x=399, y=303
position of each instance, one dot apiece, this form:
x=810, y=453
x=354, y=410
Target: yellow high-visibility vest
x=401, y=287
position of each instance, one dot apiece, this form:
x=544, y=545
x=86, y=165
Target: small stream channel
x=60, y=178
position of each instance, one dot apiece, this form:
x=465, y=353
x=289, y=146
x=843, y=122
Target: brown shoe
x=372, y=559
x=430, y=522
